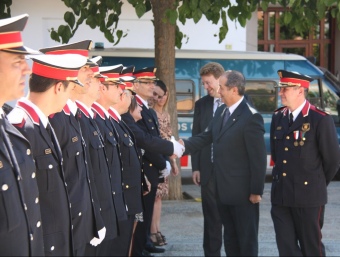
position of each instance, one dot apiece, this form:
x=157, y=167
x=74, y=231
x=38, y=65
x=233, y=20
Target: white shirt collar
x=73, y=106
x=235, y=105
x=298, y=110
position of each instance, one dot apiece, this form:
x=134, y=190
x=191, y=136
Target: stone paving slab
x=182, y=224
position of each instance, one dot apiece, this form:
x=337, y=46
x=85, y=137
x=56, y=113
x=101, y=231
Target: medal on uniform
x=305, y=127
x=296, y=137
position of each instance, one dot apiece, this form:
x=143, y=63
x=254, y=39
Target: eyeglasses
x=158, y=96
x=147, y=82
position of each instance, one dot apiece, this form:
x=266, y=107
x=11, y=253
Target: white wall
x=45, y=14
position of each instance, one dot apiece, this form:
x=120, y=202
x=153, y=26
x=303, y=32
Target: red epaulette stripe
x=98, y=110
x=113, y=115
x=312, y=107
x=66, y=110
x=139, y=101
x=30, y=112
x=83, y=110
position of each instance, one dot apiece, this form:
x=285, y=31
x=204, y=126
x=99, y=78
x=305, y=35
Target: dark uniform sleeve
x=196, y=129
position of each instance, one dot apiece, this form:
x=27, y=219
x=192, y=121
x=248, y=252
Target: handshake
x=178, y=147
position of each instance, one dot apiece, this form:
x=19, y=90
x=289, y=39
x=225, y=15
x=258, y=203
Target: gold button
x=150, y=164
x=28, y=151
x=113, y=193
x=38, y=224
x=33, y=174
x=284, y=174
x=274, y=137
x=52, y=248
x=287, y=137
x=4, y=187
x=286, y=149
x=79, y=214
x=304, y=139
x=37, y=200
x=306, y=183
x=50, y=166
x=284, y=161
x=127, y=186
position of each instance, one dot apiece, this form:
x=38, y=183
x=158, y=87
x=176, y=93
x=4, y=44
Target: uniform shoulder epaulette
x=316, y=109
x=17, y=117
x=67, y=110
x=280, y=109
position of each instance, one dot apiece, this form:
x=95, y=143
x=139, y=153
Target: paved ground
x=182, y=224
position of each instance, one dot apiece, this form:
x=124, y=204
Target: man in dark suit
x=86, y=217
x=49, y=90
x=148, y=138
x=19, y=194
x=305, y=150
x=201, y=161
x=239, y=156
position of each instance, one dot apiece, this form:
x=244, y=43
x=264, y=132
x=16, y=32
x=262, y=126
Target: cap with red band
x=293, y=79
x=146, y=73
x=10, y=35
x=126, y=75
x=81, y=48
x=60, y=67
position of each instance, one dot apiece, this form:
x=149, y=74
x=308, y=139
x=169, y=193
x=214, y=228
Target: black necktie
x=225, y=116
x=291, y=119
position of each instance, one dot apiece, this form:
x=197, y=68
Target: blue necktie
x=225, y=117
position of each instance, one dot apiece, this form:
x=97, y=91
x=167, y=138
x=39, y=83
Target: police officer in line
x=132, y=176
x=305, y=150
x=20, y=219
x=87, y=233
x=50, y=83
x=86, y=217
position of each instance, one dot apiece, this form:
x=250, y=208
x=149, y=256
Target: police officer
x=86, y=217
x=49, y=87
x=20, y=232
x=305, y=150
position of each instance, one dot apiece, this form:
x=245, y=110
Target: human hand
x=174, y=169
x=96, y=241
x=255, y=199
x=148, y=185
x=181, y=141
x=166, y=172
x=196, y=177
x=178, y=148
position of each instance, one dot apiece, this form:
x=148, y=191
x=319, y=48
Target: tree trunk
x=165, y=63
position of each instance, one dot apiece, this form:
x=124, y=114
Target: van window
x=261, y=95
x=185, y=95
x=331, y=103
x=314, y=94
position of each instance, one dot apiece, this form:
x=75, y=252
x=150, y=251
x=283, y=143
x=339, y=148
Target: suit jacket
x=86, y=217
x=302, y=171
x=132, y=166
x=53, y=196
x=19, y=198
x=98, y=165
x=148, y=138
x=113, y=155
x=240, y=157
x=201, y=160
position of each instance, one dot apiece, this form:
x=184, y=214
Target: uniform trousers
x=241, y=226
x=212, y=237
x=298, y=230
x=121, y=244
x=143, y=228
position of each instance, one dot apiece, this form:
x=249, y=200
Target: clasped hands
x=178, y=147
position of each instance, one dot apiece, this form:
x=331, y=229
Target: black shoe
x=146, y=253
x=154, y=249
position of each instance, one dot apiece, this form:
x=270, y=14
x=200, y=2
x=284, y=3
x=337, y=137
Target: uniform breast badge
x=305, y=127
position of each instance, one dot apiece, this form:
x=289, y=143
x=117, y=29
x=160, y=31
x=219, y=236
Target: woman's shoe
x=163, y=237
x=156, y=239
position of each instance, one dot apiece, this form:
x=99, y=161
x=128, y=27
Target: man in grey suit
x=239, y=154
x=201, y=161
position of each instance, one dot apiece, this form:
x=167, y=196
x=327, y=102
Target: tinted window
x=185, y=96
x=261, y=95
